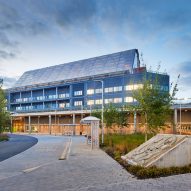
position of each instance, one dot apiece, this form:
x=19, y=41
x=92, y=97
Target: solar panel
x=93, y=66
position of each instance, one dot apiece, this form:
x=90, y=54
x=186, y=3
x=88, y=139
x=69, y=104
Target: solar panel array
x=115, y=62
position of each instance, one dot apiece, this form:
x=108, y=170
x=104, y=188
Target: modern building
x=46, y=99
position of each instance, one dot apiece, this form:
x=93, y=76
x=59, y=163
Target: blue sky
x=40, y=33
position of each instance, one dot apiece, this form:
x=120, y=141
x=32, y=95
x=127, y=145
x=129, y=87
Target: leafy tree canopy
x=154, y=103
x=4, y=115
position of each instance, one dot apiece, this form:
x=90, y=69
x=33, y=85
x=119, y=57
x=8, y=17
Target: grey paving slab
x=84, y=170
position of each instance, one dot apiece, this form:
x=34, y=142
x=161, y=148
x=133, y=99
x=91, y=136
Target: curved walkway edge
x=16, y=145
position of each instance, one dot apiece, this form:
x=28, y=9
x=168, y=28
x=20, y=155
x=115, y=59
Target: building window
x=108, y=101
x=98, y=101
x=133, y=86
x=117, y=100
x=113, y=89
x=39, y=98
x=18, y=100
x=26, y=99
x=164, y=88
x=98, y=91
x=78, y=93
x=110, y=89
x=52, y=97
x=117, y=89
x=90, y=91
x=129, y=99
x=90, y=102
x=64, y=105
x=77, y=103
x=18, y=108
x=63, y=95
x=138, y=86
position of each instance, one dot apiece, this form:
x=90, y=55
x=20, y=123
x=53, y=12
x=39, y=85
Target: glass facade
x=116, y=73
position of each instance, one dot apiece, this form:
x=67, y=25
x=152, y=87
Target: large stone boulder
x=163, y=150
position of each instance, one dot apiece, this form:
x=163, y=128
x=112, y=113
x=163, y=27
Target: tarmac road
x=16, y=145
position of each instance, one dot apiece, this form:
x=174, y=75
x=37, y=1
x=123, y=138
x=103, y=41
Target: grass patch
x=116, y=145
x=123, y=144
x=4, y=137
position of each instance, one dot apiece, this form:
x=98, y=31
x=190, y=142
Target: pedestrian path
x=83, y=170
x=15, y=145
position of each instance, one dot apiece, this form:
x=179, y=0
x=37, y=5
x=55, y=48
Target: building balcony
x=41, y=98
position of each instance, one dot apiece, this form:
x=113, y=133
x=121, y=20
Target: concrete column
x=74, y=118
x=49, y=124
x=30, y=129
x=135, y=121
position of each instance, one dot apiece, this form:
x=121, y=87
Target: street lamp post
x=102, y=107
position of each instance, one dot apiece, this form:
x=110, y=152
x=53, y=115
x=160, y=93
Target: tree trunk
x=146, y=135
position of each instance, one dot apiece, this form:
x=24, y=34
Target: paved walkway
x=38, y=169
x=15, y=145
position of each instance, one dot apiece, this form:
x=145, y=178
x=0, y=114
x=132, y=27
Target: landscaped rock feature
x=163, y=150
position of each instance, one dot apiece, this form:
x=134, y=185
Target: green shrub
x=134, y=169
x=154, y=172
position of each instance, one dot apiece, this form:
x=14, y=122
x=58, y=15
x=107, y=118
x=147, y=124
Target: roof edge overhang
x=50, y=113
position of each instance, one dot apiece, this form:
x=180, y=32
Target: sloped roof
x=115, y=62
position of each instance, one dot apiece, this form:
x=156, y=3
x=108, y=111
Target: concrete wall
x=180, y=155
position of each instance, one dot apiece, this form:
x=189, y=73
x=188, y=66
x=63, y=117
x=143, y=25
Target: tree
x=4, y=115
x=154, y=103
x=110, y=113
x=121, y=118
x=96, y=113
